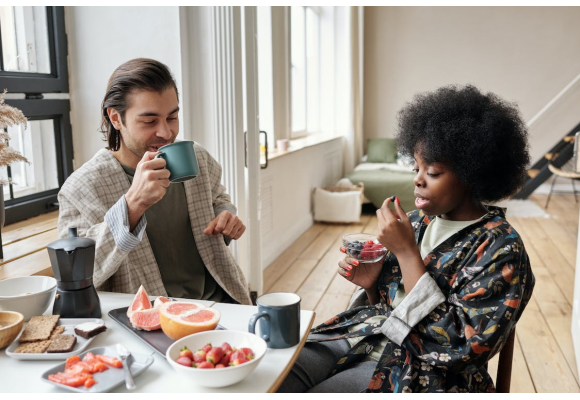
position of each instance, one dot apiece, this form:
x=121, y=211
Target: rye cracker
x=33, y=347
x=62, y=344
x=39, y=328
x=57, y=331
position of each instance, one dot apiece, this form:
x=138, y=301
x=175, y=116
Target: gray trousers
x=317, y=360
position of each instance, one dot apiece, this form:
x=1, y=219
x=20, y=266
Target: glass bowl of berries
x=363, y=247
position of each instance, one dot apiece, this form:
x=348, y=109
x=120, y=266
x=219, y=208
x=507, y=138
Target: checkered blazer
x=97, y=187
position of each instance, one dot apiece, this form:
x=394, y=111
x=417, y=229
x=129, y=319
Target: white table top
x=25, y=376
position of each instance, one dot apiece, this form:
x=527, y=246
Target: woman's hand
x=395, y=230
x=364, y=275
x=397, y=234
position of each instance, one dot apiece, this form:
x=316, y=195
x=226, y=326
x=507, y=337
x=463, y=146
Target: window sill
x=299, y=144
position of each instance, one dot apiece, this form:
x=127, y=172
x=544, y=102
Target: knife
x=124, y=353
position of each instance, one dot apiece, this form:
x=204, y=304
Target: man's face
x=151, y=121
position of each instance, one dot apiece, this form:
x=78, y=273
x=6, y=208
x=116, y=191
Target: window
x=33, y=55
x=305, y=70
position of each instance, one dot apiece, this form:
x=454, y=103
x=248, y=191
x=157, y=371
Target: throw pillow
x=382, y=150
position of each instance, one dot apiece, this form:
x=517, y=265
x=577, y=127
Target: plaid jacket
x=90, y=194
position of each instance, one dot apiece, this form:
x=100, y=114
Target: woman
x=456, y=278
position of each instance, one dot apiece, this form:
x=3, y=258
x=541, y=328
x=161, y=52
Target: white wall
x=99, y=40
x=286, y=193
x=524, y=54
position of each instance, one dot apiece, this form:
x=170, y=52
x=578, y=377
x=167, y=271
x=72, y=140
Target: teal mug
x=181, y=160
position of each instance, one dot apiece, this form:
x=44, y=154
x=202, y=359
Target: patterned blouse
x=485, y=276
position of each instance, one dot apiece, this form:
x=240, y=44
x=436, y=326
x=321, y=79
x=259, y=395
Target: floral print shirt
x=485, y=276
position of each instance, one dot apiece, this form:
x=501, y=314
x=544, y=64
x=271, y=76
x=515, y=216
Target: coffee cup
x=279, y=319
x=181, y=160
x=283, y=144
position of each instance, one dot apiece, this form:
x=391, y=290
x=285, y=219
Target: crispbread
x=62, y=344
x=33, y=347
x=39, y=328
x=57, y=331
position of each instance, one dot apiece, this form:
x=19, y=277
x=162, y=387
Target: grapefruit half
x=140, y=302
x=179, y=319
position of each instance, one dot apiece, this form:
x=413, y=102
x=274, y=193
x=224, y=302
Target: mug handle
x=254, y=320
x=162, y=155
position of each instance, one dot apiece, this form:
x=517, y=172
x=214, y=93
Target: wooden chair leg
x=504, y=366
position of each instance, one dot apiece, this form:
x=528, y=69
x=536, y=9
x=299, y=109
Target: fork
x=124, y=353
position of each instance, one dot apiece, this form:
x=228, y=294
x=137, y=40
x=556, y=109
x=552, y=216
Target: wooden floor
x=544, y=360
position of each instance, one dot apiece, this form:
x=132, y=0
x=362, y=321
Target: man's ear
x=115, y=118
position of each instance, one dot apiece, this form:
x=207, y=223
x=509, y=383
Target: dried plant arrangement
x=9, y=116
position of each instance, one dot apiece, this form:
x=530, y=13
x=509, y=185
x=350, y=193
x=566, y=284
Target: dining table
x=24, y=376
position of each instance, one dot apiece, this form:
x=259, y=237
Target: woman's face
x=439, y=192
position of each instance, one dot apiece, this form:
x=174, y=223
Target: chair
x=504, y=365
x=566, y=171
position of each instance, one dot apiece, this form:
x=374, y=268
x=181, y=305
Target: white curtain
x=349, y=82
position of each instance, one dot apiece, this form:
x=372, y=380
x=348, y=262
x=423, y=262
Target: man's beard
x=139, y=151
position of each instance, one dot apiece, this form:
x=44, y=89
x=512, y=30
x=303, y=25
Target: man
x=171, y=238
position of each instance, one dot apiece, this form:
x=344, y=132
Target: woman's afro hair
x=481, y=137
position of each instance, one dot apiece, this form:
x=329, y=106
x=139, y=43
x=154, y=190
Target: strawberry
x=238, y=357
x=370, y=242
x=215, y=355
x=199, y=356
x=220, y=366
x=248, y=352
x=226, y=347
x=207, y=348
x=226, y=358
x=185, y=361
x=239, y=361
x=185, y=352
x=205, y=365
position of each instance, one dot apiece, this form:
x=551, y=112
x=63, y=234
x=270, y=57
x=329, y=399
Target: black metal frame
x=57, y=80
x=39, y=203
x=35, y=108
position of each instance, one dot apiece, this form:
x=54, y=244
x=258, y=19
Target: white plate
x=109, y=379
x=69, y=329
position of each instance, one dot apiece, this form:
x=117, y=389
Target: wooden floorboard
x=544, y=359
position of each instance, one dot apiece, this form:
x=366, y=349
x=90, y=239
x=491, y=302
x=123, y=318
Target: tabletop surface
x=25, y=376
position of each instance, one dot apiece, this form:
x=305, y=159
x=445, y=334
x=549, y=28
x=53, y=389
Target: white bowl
x=223, y=376
x=28, y=295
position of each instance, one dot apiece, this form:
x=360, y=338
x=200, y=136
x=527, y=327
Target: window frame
x=33, y=82
x=33, y=86
x=39, y=203
x=303, y=133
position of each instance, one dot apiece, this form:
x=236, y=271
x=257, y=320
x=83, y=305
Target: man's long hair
x=130, y=77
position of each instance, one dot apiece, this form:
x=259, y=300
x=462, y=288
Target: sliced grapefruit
x=179, y=319
x=146, y=320
x=140, y=302
x=180, y=307
x=160, y=301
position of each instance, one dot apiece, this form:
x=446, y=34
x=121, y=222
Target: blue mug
x=279, y=319
x=181, y=160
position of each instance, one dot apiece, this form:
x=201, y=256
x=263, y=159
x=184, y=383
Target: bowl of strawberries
x=217, y=358
x=363, y=247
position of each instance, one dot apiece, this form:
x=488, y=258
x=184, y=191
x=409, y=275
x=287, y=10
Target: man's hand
x=227, y=224
x=149, y=185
